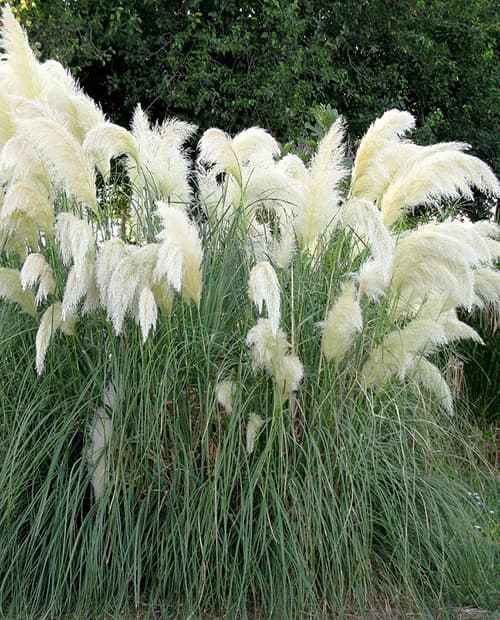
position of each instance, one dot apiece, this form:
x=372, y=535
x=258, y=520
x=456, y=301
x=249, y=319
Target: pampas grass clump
x=222, y=389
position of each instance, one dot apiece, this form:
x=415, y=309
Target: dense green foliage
x=234, y=63
x=347, y=498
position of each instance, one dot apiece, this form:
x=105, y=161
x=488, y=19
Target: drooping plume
x=69, y=165
x=50, y=323
x=254, y=426
x=342, y=325
x=447, y=174
x=264, y=288
x=382, y=133
x=37, y=270
x=106, y=141
x=180, y=254
x=12, y=290
x=269, y=352
x=101, y=434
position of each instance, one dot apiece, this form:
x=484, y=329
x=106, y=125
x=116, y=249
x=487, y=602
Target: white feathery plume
x=12, y=290
x=131, y=274
x=455, y=329
x=372, y=278
x=63, y=95
x=164, y=167
x=19, y=161
x=22, y=68
x=254, y=146
x=385, y=131
x=36, y=269
x=486, y=286
x=264, y=288
x=7, y=125
x=106, y=141
x=363, y=217
x=321, y=196
x=470, y=239
x=101, y=433
x=80, y=281
x=147, y=312
x=58, y=89
x=50, y=322
x=393, y=156
x=18, y=232
x=32, y=199
x=69, y=165
x=225, y=391
x=342, y=325
x=399, y=349
x=108, y=256
x=211, y=195
x=249, y=149
x=216, y=149
x=254, y=426
x=430, y=378
x=75, y=239
x=284, y=247
x=443, y=174
x=269, y=352
x=88, y=113
x=290, y=374
x=180, y=254
x=428, y=259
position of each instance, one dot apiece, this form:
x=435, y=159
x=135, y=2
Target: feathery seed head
x=180, y=254
x=225, y=392
x=254, y=426
x=36, y=269
x=11, y=289
x=343, y=323
x=263, y=287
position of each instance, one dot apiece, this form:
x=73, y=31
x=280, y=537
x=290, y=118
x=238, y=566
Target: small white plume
x=101, y=434
x=225, y=392
x=51, y=322
x=254, y=426
x=269, y=352
x=264, y=288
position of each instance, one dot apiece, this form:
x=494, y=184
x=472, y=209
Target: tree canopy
x=235, y=63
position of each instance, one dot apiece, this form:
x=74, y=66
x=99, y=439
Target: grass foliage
x=347, y=497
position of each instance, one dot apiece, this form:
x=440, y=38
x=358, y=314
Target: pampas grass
x=239, y=466
x=69, y=165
